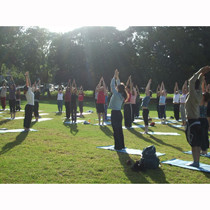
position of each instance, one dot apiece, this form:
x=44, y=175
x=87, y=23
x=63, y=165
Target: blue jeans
x=60, y=105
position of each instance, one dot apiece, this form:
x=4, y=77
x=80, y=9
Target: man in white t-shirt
x=30, y=103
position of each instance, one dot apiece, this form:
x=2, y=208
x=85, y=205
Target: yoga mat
x=16, y=118
x=43, y=114
x=183, y=164
x=105, y=123
x=190, y=153
x=137, y=120
x=162, y=133
x=42, y=119
x=134, y=126
x=15, y=130
x=127, y=150
x=70, y=122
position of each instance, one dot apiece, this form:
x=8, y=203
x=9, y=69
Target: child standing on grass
x=36, y=100
x=30, y=102
x=81, y=99
x=136, y=115
x=182, y=103
x=119, y=95
x=176, y=99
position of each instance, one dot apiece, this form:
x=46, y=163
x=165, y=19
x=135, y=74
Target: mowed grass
x=61, y=153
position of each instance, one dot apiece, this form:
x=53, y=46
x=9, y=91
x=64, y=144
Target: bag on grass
x=149, y=160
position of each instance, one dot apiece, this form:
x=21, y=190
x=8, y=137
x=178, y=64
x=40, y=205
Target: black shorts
x=193, y=133
x=100, y=108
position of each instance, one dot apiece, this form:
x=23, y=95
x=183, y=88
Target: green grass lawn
x=60, y=153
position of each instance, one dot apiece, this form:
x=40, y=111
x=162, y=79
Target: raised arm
x=176, y=87
x=28, y=81
x=147, y=90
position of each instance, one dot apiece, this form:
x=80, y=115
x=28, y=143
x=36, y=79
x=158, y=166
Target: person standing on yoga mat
x=193, y=129
x=67, y=99
x=133, y=101
x=60, y=100
x=182, y=103
x=3, y=96
x=127, y=105
x=145, y=103
x=119, y=95
x=30, y=102
x=157, y=100
x=203, y=119
x=36, y=100
x=101, y=90
x=74, y=102
x=162, y=103
x=138, y=104
x=176, y=101
x=12, y=98
x=80, y=100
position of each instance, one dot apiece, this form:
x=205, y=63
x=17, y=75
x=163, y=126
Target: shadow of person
x=19, y=139
x=4, y=121
x=73, y=129
x=107, y=131
x=134, y=177
x=180, y=129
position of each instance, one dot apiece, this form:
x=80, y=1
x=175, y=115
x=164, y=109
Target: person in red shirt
x=101, y=90
x=81, y=99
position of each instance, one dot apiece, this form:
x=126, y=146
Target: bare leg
x=103, y=118
x=99, y=118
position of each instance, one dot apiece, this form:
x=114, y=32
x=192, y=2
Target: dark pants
x=176, y=111
x=28, y=115
x=137, y=110
x=205, y=136
x=3, y=102
x=68, y=107
x=81, y=106
x=133, y=111
x=116, y=120
x=158, y=110
x=36, y=109
x=17, y=105
x=128, y=115
x=74, y=112
x=12, y=105
x=162, y=110
x=145, y=115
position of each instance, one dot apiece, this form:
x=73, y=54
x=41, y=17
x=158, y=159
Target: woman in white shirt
x=60, y=100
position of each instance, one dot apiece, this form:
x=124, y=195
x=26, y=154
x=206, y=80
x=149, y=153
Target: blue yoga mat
x=127, y=150
x=183, y=164
x=190, y=153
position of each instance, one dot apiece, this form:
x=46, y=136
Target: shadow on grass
x=73, y=128
x=19, y=139
x=4, y=121
x=107, y=131
x=180, y=129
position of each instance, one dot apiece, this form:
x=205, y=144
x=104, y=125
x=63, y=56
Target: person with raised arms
x=133, y=101
x=36, y=100
x=127, y=105
x=145, y=103
x=67, y=99
x=176, y=99
x=3, y=95
x=80, y=100
x=119, y=96
x=12, y=98
x=193, y=129
x=157, y=99
x=101, y=90
x=74, y=102
x=162, y=103
x=182, y=103
x=30, y=102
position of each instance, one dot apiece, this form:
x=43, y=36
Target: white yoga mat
x=16, y=118
x=105, y=123
x=42, y=114
x=134, y=126
x=127, y=150
x=162, y=133
x=190, y=153
x=42, y=119
x=15, y=130
x=70, y=122
x=137, y=120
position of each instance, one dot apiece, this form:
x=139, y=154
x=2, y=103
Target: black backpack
x=149, y=160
